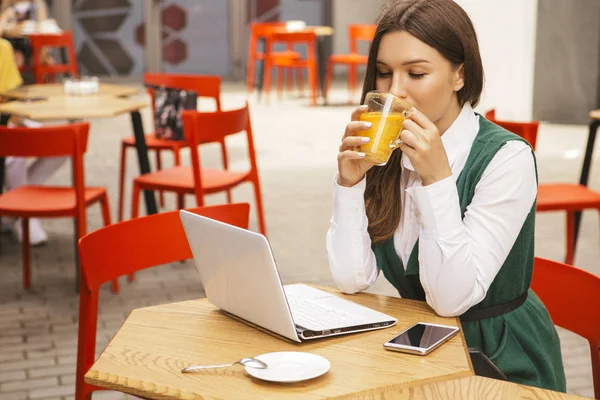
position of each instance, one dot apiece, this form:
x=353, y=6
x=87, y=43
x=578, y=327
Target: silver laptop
x=239, y=275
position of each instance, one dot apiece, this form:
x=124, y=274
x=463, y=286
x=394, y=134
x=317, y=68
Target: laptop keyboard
x=303, y=310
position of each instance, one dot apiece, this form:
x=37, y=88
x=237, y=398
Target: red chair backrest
x=200, y=128
x=127, y=247
x=307, y=38
x=52, y=141
x=61, y=40
x=48, y=141
x=203, y=85
x=293, y=37
x=262, y=29
x=526, y=130
x=572, y=297
x=356, y=32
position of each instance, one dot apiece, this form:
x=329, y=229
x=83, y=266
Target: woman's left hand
x=422, y=144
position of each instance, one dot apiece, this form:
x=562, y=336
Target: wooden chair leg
x=312, y=81
x=225, y=161
x=300, y=80
x=135, y=199
x=122, y=170
x=289, y=74
x=267, y=78
x=280, y=72
x=161, y=194
x=328, y=79
x=250, y=75
x=259, y=207
x=135, y=204
x=351, y=81
x=180, y=201
x=104, y=203
x=570, y=253
x=26, y=258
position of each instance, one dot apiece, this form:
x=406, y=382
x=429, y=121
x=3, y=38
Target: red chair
x=45, y=72
x=201, y=128
x=131, y=249
x=310, y=62
x=567, y=197
x=572, y=297
x=205, y=86
x=258, y=31
x=356, y=33
x=32, y=201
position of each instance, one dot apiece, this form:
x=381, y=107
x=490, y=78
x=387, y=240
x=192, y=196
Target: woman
x=10, y=77
x=450, y=218
x=14, y=12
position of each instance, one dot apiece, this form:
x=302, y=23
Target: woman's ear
x=459, y=77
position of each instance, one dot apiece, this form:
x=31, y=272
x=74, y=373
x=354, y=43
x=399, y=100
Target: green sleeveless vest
x=523, y=343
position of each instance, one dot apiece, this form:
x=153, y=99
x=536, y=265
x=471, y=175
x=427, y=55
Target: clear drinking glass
x=386, y=113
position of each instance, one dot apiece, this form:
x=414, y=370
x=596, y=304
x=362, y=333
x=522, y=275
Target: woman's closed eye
x=415, y=75
x=384, y=74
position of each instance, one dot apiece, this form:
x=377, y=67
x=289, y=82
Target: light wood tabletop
x=26, y=28
x=153, y=345
x=318, y=30
x=595, y=114
x=470, y=388
x=72, y=107
x=57, y=90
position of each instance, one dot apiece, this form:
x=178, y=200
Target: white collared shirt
x=458, y=258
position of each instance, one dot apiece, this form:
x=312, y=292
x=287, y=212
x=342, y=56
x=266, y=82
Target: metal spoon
x=247, y=362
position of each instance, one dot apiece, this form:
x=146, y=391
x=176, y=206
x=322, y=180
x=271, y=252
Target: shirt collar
x=458, y=137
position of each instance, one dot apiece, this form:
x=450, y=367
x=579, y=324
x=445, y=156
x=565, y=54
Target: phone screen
x=422, y=335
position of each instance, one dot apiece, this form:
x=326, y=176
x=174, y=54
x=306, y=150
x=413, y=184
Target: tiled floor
x=296, y=147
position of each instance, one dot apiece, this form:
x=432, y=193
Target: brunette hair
x=445, y=26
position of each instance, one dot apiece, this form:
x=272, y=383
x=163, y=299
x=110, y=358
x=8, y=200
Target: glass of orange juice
x=386, y=113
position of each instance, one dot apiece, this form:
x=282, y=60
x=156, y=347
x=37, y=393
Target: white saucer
x=290, y=366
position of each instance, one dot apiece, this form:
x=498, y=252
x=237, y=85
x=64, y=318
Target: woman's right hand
x=351, y=164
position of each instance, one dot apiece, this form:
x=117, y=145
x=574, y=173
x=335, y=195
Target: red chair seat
x=204, y=86
x=122, y=249
x=39, y=201
x=180, y=179
x=356, y=33
x=351, y=58
x=281, y=54
x=566, y=197
x=154, y=143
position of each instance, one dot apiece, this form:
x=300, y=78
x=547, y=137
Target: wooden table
x=154, y=343
x=57, y=90
x=55, y=105
x=587, y=163
x=322, y=32
x=20, y=31
x=72, y=107
x=51, y=103
x=471, y=388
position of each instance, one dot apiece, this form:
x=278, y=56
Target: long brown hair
x=445, y=26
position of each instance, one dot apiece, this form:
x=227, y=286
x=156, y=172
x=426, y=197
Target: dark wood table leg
x=142, y=151
x=585, y=171
x=3, y=122
x=261, y=70
x=322, y=61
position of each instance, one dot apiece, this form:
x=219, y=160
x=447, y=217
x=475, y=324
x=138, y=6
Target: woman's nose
x=398, y=88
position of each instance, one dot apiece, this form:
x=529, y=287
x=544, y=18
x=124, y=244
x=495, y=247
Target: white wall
x=506, y=31
x=347, y=12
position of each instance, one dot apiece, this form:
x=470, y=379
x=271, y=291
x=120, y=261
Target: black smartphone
x=483, y=366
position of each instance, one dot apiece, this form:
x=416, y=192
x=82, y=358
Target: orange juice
x=383, y=133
